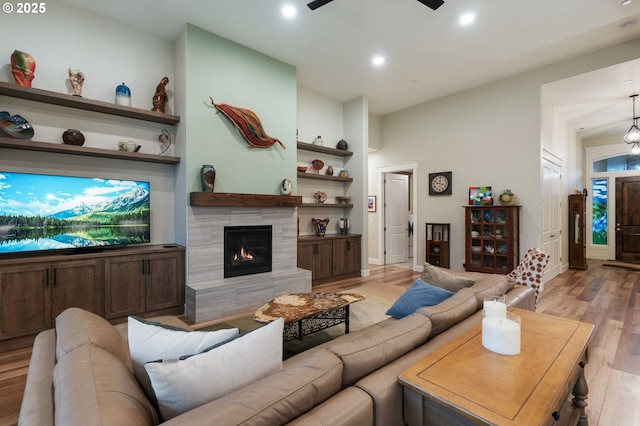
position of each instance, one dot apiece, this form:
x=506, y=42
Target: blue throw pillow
x=418, y=295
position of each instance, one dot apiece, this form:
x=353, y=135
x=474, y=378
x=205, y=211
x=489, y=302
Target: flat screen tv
x=40, y=213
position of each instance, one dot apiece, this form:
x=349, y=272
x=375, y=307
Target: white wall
x=489, y=135
x=109, y=54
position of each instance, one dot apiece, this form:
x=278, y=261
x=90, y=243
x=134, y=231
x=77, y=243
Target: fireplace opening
x=247, y=250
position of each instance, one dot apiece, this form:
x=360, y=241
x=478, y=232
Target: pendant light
x=633, y=135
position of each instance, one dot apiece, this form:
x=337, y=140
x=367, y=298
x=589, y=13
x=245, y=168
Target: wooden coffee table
x=463, y=383
x=306, y=313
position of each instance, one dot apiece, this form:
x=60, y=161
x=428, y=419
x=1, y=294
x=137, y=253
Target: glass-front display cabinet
x=492, y=238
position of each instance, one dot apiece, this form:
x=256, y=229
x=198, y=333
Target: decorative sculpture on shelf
x=160, y=97
x=286, y=188
x=207, y=177
x=249, y=125
x=76, y=79
x=23, y=67
x=320, y=225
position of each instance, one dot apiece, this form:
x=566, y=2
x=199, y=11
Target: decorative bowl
x=317, y=164
x=302, y=169
x=343, y=199
x=73, y=137
x=15, y=126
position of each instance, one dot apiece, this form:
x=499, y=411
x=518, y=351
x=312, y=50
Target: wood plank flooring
x=608, y=298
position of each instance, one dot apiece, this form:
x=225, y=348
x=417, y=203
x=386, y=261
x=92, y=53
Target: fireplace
x=247, y=250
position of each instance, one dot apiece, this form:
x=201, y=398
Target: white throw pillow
x=152, y=341
x=183, y=384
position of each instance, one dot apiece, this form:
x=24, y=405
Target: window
x=600, y=219
x=617, y=164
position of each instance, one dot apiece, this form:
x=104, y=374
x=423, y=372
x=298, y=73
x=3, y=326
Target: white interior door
x=552, y=217
x=396, y=214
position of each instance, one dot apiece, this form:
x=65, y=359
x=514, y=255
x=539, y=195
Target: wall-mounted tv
x=39, y=213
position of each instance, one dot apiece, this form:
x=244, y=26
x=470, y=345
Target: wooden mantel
x=221, y=199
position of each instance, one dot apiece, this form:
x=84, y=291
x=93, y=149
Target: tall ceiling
x=428, y=53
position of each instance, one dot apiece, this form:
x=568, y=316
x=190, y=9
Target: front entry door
x=628, y=219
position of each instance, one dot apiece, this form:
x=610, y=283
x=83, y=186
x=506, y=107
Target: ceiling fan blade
x=317, y=3
x=433, y=4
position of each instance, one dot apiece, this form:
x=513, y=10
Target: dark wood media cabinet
x=114, y=283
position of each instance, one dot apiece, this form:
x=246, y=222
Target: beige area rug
x=362, y=314
x=622, y=265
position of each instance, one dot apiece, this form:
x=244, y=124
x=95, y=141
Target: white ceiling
x=428, y=54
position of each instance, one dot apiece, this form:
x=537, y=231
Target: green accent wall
x=234, y=74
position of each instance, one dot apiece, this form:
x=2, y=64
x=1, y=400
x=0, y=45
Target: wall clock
x=440, y=183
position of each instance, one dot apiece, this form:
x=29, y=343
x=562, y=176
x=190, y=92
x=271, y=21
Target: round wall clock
x=440, y=183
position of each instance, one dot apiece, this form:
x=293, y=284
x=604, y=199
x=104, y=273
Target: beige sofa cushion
x=442, y=278
x=451, y=311
x=276, y=399
x=491, y=284
x=76, y=327
x=91, y=386
x=372, y=350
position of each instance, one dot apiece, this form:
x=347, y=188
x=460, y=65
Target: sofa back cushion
x=91, y=386
x=76, y=327
x=490, y=284
x=451, y=311
x=373, y=350
x=444, y=279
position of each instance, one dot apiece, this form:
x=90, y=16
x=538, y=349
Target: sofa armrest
x=37, y=402
x=522, y=297
x=352, y=406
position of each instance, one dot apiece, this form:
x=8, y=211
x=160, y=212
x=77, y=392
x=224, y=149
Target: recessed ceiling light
x=288, y=11
x=626, y=3
x=467, y=18
x=378, y=60
x=630, y=23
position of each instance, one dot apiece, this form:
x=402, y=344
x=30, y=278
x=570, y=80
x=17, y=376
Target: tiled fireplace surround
x=211, y=296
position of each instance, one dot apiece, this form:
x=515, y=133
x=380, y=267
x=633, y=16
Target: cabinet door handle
x=144, y=267
x=315, y=249
x=348, y=245
x=46, y=278
x=55, y=277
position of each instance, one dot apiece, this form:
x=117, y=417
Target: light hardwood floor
x=608, y=298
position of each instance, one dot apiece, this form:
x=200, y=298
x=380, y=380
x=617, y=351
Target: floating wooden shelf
x=324, y=177
x=29, y=145
x=324, y=149
x=221, y=199
x=78, y=102
x=334, y=205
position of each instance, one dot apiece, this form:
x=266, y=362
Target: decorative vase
x=123, y=95
x=329, y=171
x=208, y=177
x=23, y=67
x=73, y=137
x=318, y=141
x=343, y=225
x=342, y=144
x=76, y=80
x=320, y=225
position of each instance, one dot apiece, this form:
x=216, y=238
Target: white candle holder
x=502, y=335
x=495, y=305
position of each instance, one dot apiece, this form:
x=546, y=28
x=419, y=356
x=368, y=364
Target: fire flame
x=243, y=255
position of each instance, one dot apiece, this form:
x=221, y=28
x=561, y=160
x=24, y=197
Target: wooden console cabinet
x=142, y=280
x=330, y=258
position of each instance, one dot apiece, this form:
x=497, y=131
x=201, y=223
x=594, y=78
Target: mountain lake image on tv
x=46, y=212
